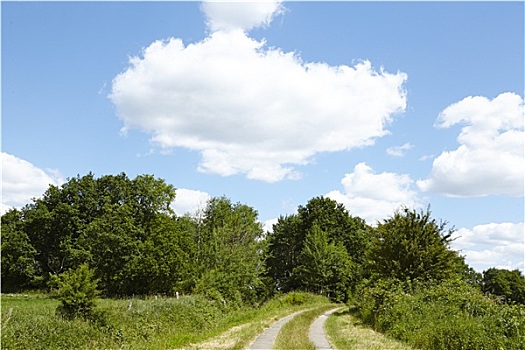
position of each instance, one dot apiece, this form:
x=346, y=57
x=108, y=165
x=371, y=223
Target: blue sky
x=375, y=104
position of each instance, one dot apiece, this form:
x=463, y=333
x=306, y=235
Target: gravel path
x=267, y=338
x=317, y=335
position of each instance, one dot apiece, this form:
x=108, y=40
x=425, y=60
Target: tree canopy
x=411, y=245
x=124, y=231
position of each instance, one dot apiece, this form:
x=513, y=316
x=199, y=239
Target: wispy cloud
x=399, y=151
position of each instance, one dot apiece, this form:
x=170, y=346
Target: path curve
x=317, y=335
x=267, y=338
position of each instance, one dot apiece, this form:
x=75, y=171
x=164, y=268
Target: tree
x=77, y=292
x=104, y=221
x=413, y=246
x=19, y=266
x=324, y=267
x=229, y=254
x=505, y=283
x=287, y=242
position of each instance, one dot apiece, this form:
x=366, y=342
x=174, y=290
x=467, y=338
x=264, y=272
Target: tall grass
x=162, y=323
x=451, y=315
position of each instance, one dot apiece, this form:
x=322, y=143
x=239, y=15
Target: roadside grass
x=294, y=334
x=151, y=323
x=345, y=331
x=240, y=333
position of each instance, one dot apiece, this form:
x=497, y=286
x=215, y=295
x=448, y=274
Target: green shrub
x=451, y=315
x=294, y=298
x=77, y=292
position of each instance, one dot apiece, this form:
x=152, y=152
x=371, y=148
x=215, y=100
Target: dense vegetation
x=118, y=237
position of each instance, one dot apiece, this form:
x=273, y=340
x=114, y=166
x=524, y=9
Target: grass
x=163, y=323
x=346, y=331
x=294, y=334
x=251, y=325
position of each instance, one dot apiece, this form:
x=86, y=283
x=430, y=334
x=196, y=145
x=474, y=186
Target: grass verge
x=294, y=334
x=152, y=323
x=346, y=331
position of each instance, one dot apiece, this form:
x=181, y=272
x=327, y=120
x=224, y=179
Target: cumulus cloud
x=490, y=158
x=399, y=151
x=22, y=181
x=499, y=245
x=250, y=109
x=375, y=197
x=244, y=15
x=189, y=201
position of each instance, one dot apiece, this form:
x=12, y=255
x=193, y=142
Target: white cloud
x=399, y=151
x=490, y=158
x=375, y=197
x=245, y=15
x=499, y=245
x=268, y=225
x=22, y=181
x=189, y=201
x=253, y=110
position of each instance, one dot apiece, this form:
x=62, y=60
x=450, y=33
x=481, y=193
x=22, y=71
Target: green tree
x=324, y=267
x=104, y=221
x=413, y=246
x=228, y=250
x=109, y=244
x=505, y=283
x=77, y=292
x=287, y=241
x=19, y=266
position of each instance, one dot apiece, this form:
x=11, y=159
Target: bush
x=77, y=292
x=451, y=315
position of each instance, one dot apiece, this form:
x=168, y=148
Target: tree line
x=126, y=232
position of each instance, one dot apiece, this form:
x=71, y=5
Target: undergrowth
x=452, y=315
x=31, y=322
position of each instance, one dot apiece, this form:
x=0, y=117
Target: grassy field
x=191, y=322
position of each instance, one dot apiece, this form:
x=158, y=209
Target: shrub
x=77, y=292
x=451, y=315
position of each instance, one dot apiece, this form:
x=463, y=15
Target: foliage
x=411, y=245
x=451, y=315
x=229, y=252
x=324, y=267
x=151, y=323
x=18, y=255
x=510, y=285
x=347, y=237
x=77, y=292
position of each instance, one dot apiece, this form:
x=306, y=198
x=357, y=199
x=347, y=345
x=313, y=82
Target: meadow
x=29, y=321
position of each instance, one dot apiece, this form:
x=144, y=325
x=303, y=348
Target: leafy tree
x=228, y=250
x=505, y=283
x=109, y=243
x=287, y=241
x=413, y=246
x=104, y=221
x=77, y=292
x=164, y=264
x=19, y=266
x=324, y=267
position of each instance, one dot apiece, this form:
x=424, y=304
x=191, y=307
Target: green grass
x=294, y=334
x=163, y=323
x=346, y=331
x=252, y=323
